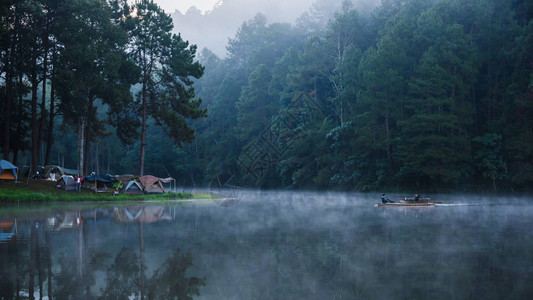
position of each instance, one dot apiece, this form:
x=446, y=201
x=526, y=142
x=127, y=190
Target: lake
x=270, y=245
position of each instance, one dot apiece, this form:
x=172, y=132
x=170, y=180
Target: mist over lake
x=272, y=245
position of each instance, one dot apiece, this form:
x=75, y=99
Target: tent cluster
x=67, y=180
x=147, y=184
x=127, y=184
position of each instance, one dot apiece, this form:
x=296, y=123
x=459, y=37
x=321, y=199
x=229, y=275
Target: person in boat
x=385, y=200
x=417, y=197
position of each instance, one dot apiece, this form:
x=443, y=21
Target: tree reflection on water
x=78, y=271
x=273, y=245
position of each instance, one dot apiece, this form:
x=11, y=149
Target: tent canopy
x=59, y=171
x=98, y=183
x=67, y=182
x=103, y=178
x=125, y=179
x=152, y=184
x=133, y=187
x=8, y=170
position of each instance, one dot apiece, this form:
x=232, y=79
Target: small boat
x=411, y=204
x=410, y=200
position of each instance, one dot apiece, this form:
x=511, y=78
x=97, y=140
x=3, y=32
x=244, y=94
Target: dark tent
x=133, y=188
x=96, y=183
x=8, y=171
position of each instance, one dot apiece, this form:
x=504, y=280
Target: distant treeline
x=416, y=94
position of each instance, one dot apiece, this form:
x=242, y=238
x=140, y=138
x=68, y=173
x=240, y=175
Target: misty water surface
x=272, y=245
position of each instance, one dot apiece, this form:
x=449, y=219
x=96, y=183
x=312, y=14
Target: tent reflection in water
x=142, y=214
x=8, y=171
x=8, y=230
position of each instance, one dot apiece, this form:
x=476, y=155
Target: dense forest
x=415, y=94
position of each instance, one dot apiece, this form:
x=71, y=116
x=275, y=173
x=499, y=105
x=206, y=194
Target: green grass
x=45, y=191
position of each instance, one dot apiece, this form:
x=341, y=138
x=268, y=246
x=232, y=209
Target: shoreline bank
x=46, y=191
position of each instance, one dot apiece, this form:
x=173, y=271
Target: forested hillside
x=416, y=94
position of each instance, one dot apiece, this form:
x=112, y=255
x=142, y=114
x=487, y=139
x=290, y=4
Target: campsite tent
x=58, y=172
x=133, y=188
x=67, y=183
x=8, y=171
x=152, y=184
x=96, y=183
x=125, y=179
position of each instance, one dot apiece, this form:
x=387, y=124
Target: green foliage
x=167, y=69
x=487, y=156
x=255, y=106
x=402, y=91
x=405, y=96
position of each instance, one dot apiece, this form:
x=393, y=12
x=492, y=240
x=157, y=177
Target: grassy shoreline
x=45, y=191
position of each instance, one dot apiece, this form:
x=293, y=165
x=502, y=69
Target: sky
x=170, y=6
x=213, y=22
x=218, y=20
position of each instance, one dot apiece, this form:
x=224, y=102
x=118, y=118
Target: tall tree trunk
x=88, y=137
x=86, y=148
x=19, y=114
x=34, y=125
x=50, y=137
x=15, y=156
x=81, y=145
x=143, y=130
x=40, y=137
x=7, y=106
x=96, y=162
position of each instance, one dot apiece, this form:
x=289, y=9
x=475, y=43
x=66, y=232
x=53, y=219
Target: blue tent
x=8, y=170
x=104, y=178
